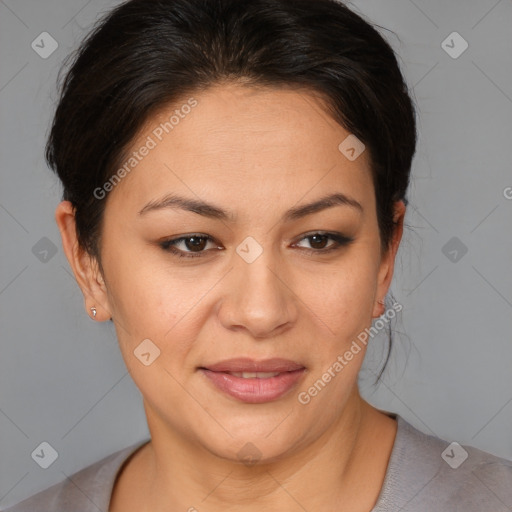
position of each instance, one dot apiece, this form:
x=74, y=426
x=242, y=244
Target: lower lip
x=254, y=391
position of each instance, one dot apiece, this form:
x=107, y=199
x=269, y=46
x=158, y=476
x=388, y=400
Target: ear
x=387, y=264
x=85, y=267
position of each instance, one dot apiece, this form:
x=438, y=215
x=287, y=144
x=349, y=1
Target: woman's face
x=232, y=180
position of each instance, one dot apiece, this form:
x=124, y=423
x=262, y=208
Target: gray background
x=62, y=379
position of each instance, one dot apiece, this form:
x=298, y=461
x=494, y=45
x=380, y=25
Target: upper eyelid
x=209, y=237
x=175, y=241
x=333, y=235
x=320, y=232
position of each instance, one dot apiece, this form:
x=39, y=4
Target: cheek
x=343, y=298
x=145, y=303
x=154, y=314
x=158, y=301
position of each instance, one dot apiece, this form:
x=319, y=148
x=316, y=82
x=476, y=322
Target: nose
x=259, y=299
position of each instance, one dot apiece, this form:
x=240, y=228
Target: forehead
x=233, y=139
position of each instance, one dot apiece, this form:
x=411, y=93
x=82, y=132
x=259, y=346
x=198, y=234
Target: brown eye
x=318, y=241
x=195, y=243
x=189, y=246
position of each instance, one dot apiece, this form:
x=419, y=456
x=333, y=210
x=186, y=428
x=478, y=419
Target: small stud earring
x=93, y=310
x=381, y=302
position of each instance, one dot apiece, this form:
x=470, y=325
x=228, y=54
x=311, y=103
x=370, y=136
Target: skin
x=256, y=152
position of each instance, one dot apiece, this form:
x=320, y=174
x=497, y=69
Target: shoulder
x=87, y=490
x=428, y=473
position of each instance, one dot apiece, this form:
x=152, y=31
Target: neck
x=345, y=465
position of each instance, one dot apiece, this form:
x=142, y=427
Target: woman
x=235, y=177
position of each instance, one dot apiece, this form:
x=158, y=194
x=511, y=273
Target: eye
x=318, y=242
x=190, y=246
x=194, y=245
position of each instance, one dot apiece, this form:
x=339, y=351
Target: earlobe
x=84, y=266
x=380, y=309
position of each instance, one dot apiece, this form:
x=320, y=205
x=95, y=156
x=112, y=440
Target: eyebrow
x=175, y=201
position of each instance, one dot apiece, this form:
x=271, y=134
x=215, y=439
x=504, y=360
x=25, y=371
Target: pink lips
x=253, y=381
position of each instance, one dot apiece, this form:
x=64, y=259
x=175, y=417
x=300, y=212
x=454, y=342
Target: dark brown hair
x=146, y=54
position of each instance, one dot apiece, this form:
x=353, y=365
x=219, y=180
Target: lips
x=253, y=381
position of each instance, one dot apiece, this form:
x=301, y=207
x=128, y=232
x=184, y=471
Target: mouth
x=254, y=375
x=252, y=381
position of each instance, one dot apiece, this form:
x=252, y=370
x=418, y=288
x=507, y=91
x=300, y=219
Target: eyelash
x=339, y=239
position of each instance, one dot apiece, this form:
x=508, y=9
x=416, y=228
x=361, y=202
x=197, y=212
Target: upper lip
x=245, y=364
